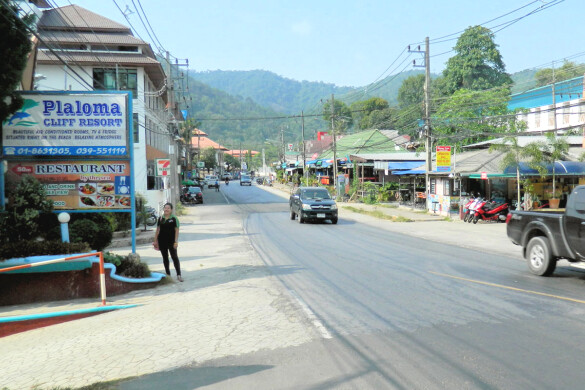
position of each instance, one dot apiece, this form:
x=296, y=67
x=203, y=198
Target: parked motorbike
x=466, y=209
x=477, y=203
x=149, y=216
x=492, y=211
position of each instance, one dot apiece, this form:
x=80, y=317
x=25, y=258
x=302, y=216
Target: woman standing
x=166, y=239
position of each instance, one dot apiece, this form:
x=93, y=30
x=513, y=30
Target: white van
x=210, y=181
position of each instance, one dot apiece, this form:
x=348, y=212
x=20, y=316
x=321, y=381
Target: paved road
x=231, y=304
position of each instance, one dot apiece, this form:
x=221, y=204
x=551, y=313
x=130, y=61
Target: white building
x=104, y=55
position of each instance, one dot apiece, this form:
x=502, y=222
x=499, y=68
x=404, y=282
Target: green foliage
x=342, y=118
x=92, y=228
x=15, y=46
x=548, y=152
x=478, y=64
x=270, y=90
x=411, y=92
x=208, y=156
x=125, y=266
x=567, y=71
x=371, y=196
x=39, y=248
x=27, y=202
x=473, y=116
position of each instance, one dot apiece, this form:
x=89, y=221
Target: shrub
x=97, y=232
x=38, y=248
x=27, y=202
x=126, y=266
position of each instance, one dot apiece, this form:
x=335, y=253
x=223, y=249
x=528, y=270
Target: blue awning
x=410, y=172
x=396, y=165
x=561, y=168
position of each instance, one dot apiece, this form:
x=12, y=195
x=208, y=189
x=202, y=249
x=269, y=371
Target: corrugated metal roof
x=78, y=18
x=90, y=38
x=398, y=156
x=371, y=141
x=90, y=58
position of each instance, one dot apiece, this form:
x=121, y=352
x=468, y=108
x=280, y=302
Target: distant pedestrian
x=217, y=185
x=166, y=239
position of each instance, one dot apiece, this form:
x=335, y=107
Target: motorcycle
x=149, y=216
x=227, y=181
x=477, y=203
x=492, y=211
x=466, y=209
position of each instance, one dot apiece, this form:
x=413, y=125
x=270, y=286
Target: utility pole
x=305, y=173
x=334, y=144
x=427, y=118
x=172, y=143
x=554, y=98
x=283, y=147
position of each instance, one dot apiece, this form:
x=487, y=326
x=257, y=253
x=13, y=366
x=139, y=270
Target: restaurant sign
x=80, y=185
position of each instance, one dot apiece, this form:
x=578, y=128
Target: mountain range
x=225, y=101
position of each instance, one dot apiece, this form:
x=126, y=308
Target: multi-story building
x=102, y=54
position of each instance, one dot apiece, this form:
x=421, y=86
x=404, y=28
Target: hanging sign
x=163, y=167
x=443, y=158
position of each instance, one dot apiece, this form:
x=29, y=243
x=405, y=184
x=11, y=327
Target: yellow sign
x=443, y=158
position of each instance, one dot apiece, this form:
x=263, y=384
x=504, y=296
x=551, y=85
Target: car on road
x=226, y=175
x=195, y=194
x=211, y=181
x=245, y=180
x=548, y=236
x=312, y=204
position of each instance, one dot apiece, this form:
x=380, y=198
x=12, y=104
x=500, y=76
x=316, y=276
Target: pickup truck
x=546, y=237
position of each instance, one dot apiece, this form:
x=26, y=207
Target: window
x=433, y=186
x=135, y=128
x=447, y=187
x=152, y=182
x=115, y=79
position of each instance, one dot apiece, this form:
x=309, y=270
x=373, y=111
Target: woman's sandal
x=180, y=278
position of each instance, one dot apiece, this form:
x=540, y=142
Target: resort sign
x=68, y=125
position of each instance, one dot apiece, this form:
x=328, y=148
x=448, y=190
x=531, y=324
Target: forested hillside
x=230, y=119
x=270, y=90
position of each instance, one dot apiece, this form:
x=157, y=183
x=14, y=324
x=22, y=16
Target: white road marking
x=316, y=322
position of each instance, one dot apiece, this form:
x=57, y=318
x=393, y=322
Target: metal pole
x=305, y=173
x=334, y=144
x=429, y=143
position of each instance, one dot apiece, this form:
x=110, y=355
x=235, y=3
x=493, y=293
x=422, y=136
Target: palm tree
x=514, y=154
x=548, y=152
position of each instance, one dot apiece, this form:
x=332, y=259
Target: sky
x=347, y=43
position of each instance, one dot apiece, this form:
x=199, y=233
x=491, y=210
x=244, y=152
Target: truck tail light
x=508, y=218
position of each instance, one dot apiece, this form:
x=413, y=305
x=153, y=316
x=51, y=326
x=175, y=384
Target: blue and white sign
x=68, y=125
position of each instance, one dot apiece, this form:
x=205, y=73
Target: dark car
x=195, y=194
x=312, y=204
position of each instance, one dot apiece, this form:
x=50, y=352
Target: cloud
x=302, y=28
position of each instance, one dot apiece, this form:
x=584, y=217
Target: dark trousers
x=164, y=250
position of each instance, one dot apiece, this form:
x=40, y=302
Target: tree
x=514, y=154
x=548, y=152
x=477, y=65
x=411, y=92
x=208, y=157
x=372, y=113
x=473, y=116
x=342, y=117
x=567, y=71
x=15, y=46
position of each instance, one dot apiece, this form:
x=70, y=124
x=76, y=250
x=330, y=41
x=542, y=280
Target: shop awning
x=403, y=165
x=410, y=172
x=561, y=168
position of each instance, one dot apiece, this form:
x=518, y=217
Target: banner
x=163, y=167
x=68, y=125
x=79, y=185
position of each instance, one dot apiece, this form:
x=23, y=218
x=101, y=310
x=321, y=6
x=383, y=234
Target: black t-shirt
x=167, y=228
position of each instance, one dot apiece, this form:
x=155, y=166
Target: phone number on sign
x=100, y=151
x=72, y=151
